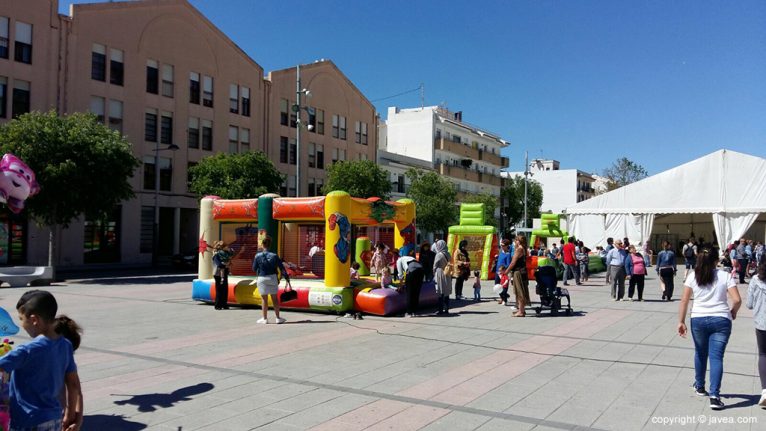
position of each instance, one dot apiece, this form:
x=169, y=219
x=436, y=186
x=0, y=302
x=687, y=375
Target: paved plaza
x=154, y=359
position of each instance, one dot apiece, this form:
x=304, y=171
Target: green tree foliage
x=490, y=204
x=513, y=195
x=623, y=172
x=435, y=199
x=235, y=176
x=361, y=179
x=82, y=166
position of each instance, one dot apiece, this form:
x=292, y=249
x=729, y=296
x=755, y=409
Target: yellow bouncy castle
x=313, y=236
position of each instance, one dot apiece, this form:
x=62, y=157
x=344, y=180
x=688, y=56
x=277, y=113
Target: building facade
x=465, y=154
x=561, y=187
x=337, y=123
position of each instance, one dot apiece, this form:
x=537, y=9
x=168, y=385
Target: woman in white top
x=756, y=301
x=710, y=320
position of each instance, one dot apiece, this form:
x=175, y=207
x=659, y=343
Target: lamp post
x=297, y=110
x=156, y=230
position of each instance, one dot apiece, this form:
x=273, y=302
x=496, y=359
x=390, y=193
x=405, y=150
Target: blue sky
x=584, y=82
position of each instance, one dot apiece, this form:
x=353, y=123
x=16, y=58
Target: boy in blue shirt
x=41, y=368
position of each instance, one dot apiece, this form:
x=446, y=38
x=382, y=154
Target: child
x=392, y=263
x=41, y=368
x=355, y=270
x=378, y=261
x=476, y=287
x=386, y=281
x=504, y=282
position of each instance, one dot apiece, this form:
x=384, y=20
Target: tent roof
x=723, y=181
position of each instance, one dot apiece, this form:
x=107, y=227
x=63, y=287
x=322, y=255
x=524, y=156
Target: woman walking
x=463, y=266
x=518, y=273
x=666, y=269
x=441, y=277
x=756, y=301
x=265, y=265
x=711, y=319
x=635, y=268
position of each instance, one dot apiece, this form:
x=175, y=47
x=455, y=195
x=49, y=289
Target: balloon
x=17, y=182
x=7, y=327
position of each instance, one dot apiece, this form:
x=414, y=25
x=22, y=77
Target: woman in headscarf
x=442, y=280
x=463, y=268
x=518, y=273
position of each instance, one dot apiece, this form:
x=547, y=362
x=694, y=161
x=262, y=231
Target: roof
x=723, y=181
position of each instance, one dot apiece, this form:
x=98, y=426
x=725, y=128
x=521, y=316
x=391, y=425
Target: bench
x=21, y=276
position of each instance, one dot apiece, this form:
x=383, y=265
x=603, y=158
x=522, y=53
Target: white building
x=561, y=187
x=465, y=154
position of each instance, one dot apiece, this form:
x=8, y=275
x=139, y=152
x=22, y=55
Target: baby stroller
x=550, y=295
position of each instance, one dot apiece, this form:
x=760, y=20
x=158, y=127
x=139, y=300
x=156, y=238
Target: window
x=283, y=111
x=166, y=128
x=364, y=133
x=194, y=89
x=207, y=135
x=3, y=96
x=312, y=155
x=283, y=149
x=320, y=156
x=233, y=99
x=116, y=67
x=189, y=167
x=400, y=184
x=312, y=120
x=115, y=115
x=150, y=125
x=335, y=130
x=192, y=134
x=20, y=103
x=320, y=121
x=98, y=63
x=438, y=133
x=293, y=152
x=343, y=128
x=102, y=238
x=233, y=139
x=244, y=140
x=23, y=46
x=167, y=80
x=358, y=132
x=4, y=37
x=97, y=107
x=288, y=186
x=166, y=173
x=456, y=138
x=338, y=154
x=207, y=91
x=147, y=229
x=312, y=187
x=245, y=94
x=152, y=77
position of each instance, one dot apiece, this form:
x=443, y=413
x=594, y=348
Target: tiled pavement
x=153, y=359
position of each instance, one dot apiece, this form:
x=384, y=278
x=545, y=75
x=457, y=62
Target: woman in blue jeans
x=711, y=319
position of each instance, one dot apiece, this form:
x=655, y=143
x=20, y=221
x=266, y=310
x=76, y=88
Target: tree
x=82, y=166
x=435, y=198
x=623, y=172
x=490, y=204
x=235, y=176
x=361, y=179
x=513, y=195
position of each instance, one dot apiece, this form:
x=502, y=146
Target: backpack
x=689, y=251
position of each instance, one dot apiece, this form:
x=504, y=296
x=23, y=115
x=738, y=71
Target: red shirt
x=569, y=253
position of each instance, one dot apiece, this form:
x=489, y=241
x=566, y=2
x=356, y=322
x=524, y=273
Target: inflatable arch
x=482, y=240
x=322, y=281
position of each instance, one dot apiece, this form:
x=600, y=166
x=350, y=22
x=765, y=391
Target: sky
x=583, y=82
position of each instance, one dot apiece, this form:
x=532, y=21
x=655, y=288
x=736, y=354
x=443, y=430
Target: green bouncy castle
x=482, y=241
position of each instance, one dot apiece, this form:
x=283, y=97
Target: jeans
x=636, y=281
x=711, y=334
x=584, y=270
x=760, y=336
x=575, y=269
x=504, y=295
x=477, y=294
x=667, y=275
x=617, y=274
x=742, y=269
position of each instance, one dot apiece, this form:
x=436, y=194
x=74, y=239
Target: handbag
x=449, y=270
x=288, y=295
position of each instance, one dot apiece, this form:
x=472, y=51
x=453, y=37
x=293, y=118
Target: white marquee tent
x=727, y=185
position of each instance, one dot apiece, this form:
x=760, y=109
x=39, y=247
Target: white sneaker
x=762, y=402
x=514, y=308
x=280, y=320
x=261, y=321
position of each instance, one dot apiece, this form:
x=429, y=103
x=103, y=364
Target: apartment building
x=337, y=122
x=467, y=155
x=168, y=79
x=561, y=187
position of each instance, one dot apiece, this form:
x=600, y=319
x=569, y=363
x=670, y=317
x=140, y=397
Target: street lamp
x=297, y=110
x=156, y=230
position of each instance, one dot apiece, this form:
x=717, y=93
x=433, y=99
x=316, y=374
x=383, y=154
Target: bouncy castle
x=482, y=242
x=313, y=235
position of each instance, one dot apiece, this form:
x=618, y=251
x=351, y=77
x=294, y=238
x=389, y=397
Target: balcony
x=491, y=158
x=457, y=172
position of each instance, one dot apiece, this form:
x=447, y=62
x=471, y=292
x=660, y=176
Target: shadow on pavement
x=747, y=400
x=150, y=402
x=161, y=279
x=110, y=422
